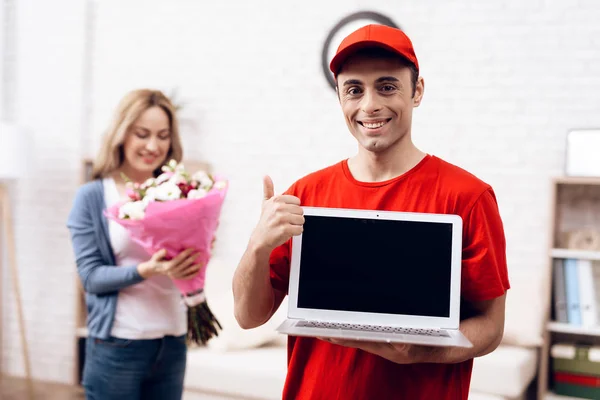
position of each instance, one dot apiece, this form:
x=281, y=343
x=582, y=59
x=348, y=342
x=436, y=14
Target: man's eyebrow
x=387, y=79
x=352, y=82
x=379, y=80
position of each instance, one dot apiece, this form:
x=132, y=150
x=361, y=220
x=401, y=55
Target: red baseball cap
x=373, y=35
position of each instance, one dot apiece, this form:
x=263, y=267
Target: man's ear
x=419, y=91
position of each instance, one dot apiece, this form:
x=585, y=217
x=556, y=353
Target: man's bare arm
x=255, y=299
x=484, y=329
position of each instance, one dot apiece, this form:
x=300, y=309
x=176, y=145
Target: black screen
x=376, y=266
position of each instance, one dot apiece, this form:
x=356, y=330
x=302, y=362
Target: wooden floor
x=16, y=389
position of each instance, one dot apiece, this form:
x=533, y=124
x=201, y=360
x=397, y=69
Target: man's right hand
x=280, y=219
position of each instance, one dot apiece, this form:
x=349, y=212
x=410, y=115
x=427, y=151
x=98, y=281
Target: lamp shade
x=13, y=151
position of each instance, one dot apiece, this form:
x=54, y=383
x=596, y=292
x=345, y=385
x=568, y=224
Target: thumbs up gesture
x=280, y=219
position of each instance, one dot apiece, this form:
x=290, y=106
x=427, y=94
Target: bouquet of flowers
x=175, y=211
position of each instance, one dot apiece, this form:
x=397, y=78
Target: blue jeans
x=116, y=369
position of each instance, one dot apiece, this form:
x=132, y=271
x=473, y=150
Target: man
x=378, y=86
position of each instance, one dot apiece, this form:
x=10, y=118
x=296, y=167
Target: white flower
x=196, y=193
x=179, y=168
x=199, y=175
x=150, y=195
x=132, y=210
x=167, y=191
x=177, y=178
x=220, y=185
x=163, y=178
x=148, y=183
x=172, y=164
x=204, y=180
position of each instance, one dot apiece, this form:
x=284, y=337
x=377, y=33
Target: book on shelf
x=587, y=293
x=576, y=370
x=560, y=296
x=576, y=287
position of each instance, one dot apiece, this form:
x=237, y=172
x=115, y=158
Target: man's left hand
x=400, y=353
x=484, y=329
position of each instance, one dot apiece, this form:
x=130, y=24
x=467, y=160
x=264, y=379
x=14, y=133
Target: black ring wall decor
x=361, y=15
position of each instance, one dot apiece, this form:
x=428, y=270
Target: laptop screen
x=375, y=266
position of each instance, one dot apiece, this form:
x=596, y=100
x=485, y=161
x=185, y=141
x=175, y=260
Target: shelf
x=577, y=180
x=577, y=254
x=81, y=332
x=552, y=396
x=574, y=329
x=575, y=207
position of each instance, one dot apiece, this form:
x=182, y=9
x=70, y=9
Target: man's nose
x=370, y=103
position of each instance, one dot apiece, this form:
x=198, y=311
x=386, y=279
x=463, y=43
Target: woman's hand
x=183, y=266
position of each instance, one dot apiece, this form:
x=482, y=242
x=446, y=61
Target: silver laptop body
x=376, y=276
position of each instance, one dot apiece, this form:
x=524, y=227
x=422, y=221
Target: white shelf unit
x=578, y=254
x=552, y=396
x=575, y=205
x=81, y=332
x=560, y=327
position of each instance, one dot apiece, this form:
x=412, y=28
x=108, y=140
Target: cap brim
x=340, y=58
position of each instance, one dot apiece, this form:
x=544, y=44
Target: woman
x=137, y=324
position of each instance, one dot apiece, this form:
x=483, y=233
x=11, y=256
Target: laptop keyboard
x=372, y=328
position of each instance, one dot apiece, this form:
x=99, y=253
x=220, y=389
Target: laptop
x=376, y=276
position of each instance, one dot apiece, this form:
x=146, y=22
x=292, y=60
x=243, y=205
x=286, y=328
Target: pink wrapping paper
x=175, y=226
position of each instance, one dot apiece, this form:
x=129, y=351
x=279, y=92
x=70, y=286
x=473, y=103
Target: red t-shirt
x=320, y=370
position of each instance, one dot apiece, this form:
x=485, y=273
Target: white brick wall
x=48, y=102
x=4, y=59
x=505, y=80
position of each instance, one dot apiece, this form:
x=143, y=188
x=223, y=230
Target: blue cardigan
x=100, y=277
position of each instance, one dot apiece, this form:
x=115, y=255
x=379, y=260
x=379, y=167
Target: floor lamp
x=12, y=165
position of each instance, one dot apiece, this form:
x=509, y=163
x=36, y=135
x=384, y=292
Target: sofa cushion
x=524, y=325
x=257, y=373
x=219, y=296
x=485, y=396
x=232, y=337
x=516, y=365
x=260, y=373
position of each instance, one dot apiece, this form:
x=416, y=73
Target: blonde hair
x=111, y=155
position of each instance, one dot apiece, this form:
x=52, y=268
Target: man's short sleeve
x=484, y=269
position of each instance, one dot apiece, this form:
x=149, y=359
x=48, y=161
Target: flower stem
x=202, y=324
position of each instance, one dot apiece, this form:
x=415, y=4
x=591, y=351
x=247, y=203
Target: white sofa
x=252, y=364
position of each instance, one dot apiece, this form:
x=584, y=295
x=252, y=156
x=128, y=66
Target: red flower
x=185, y=188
